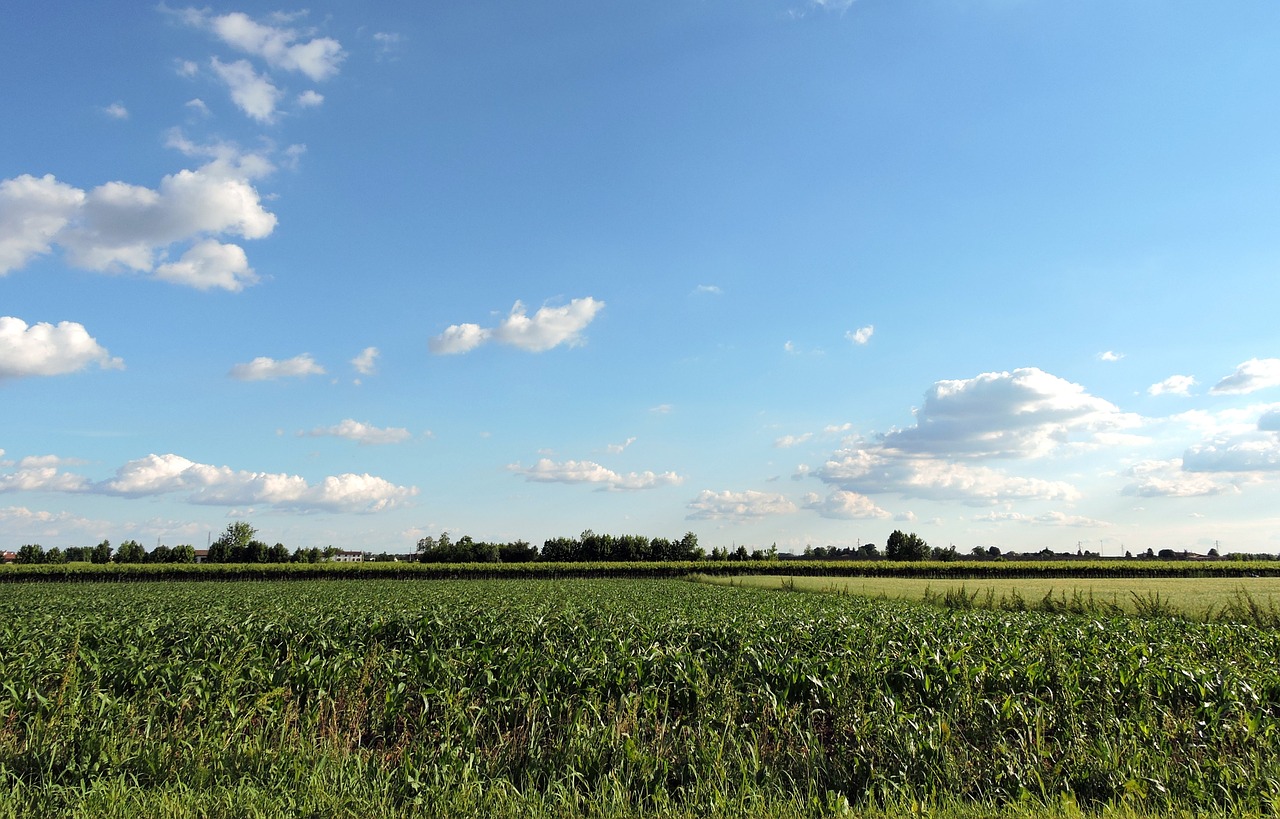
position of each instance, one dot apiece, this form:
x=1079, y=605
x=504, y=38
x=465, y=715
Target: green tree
x=101, y=553
x=30, y=553
x=233, y=544
x=902, y=546
x=130, y=551
x=184, y=553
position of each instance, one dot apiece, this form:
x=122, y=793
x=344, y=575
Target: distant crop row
x=1079, y=569
x=648, y=695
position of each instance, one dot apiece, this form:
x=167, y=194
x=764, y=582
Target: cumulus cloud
x=263, y=368
x=788, y=441
x=1167, y=479
x=1250, y=452
x=1173, y=385
x=1251, y=376
x=862, y=335
x=739, y=506
x=210, y=264
x=223, y=486
x=1024, y=413
x=871, y=471
x=253, y=93
x=844, y=505
x=458, y=338
x=1270, y=420
x=48, y=349
x=42, y=478
x=33, y=210
x=367, y=362
x=280, y=46
x=310, y=99
x=548, y=471
x=1019, y=415
x=549, y=327
x=119, y=226
x=1110, y=355
x=362, y=433
x=116, y=111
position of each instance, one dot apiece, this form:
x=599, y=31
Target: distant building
x=8, y=557
x=202, y=555
x=347, y=556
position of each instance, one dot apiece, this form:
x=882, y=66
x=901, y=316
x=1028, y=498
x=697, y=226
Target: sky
x=997, y=272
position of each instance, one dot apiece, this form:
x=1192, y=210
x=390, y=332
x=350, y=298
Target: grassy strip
x=1213, y=599
x=932, y=570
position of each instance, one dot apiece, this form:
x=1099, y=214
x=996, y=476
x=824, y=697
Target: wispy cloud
x=549, y=327
x=263, y=368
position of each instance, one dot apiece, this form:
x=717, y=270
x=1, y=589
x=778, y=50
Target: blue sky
x=999, y=272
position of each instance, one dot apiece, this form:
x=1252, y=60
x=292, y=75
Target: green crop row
x=934, y=570
x=649, y=696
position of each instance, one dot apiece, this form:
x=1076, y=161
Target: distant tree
x=160, y=554
x=278, y=553
x=993, y=551
x=902, y=546
x=78, y=554
x=517, y=552
x=1213, y=553
x=184, y=553
x=233, y=544
x=101, y=553
x=130, y=551
x=30, y=553
x=55, y=556
x=868, y=551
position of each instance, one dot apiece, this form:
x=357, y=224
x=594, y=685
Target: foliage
x=901, y=546
x=662, y=697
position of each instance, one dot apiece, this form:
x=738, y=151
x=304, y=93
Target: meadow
x=616, y=698
x=1234, y=599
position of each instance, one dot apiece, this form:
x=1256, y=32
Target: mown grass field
x=615, y=698
x=1203, y=598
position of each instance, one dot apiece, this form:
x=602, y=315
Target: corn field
x=614, y=697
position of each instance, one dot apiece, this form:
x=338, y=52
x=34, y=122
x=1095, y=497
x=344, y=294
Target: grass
x=1233, y=599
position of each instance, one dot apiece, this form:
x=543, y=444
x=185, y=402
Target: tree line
x=237, y=544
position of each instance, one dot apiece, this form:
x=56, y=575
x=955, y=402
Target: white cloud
x=32, y=212
x=870, y=471
x=1110, y=355
x=548, y=471
x=222, y=486
x=617, y=449
x=740, y=506
x=253, y=93
x=707, y=289
x=1024, y=413
x=42, y=478
x=788, y=441
x=187, y=68
x=1257, y=451
x=1251, y=376
x=458, y=338
x=388, y=43
x=362, y=433
x=210, y=264
x=47, y=349
x=197, y=105
x=1167, y=479
x=310, y=99
x=367, y=362
x=1173, y=385
x=1270, y=420
x=662, y=409
x=862, y=335
x=280, y=46
x=269, y=369
x=549, y=327
x=122, y=226
x=844, y=505
x=116, y=111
